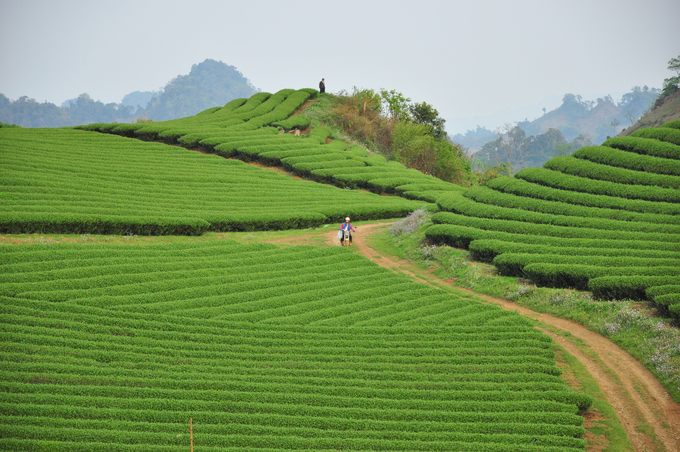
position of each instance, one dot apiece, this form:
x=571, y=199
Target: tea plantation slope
x=116, y=348
x=606, y=219
x=248, y=129
x=72, y=181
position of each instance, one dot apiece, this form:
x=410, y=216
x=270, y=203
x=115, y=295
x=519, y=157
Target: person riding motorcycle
x=346, y=226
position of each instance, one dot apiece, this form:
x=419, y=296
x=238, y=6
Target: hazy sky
x=470, y=59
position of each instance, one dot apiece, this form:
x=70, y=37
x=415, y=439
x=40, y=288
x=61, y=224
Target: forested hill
x=208, y=84
x=599, y=119
x=576, y=123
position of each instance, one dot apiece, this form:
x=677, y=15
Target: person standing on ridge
x=322, y=86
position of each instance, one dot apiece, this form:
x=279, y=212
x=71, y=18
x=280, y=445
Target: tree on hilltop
x=425, y=113
x=671, y=85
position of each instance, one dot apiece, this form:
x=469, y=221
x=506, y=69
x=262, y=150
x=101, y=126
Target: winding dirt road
x=646, y=410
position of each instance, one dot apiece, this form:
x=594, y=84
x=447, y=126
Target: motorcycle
x=344, y=236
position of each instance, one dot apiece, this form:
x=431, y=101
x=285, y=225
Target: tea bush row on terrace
x=109, y=347
x=71, y=181
x=604, y=219
x=248, y=129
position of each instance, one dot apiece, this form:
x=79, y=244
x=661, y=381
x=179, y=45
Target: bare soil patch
x=304, y=106
x=273, y=168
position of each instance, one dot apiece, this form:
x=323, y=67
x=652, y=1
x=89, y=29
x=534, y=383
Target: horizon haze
x=489, y=59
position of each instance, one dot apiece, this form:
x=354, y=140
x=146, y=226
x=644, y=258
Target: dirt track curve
x=638, y=398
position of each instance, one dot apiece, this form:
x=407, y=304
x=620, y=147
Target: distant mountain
x=574, y=124
x=209, y=84
x=474, y=139
x=139, y=99
x=592, y=120
x=597, y=119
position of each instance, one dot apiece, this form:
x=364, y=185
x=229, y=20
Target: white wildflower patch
x=410, y=224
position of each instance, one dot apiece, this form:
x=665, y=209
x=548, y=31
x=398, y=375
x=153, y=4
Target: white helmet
x=346, y=218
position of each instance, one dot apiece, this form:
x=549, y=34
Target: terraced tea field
x=71, y=181
x=116, y=347
x=248, y=129
x=606, y=219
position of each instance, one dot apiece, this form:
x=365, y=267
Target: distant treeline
x=209, y=84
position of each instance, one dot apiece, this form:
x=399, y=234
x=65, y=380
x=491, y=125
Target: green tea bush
x=55, y=223
x=294, y=122
x=359, y=151
x=629, y=160
x=645, y=146
x=549, y=212
x=672, y=124
x=520, y=227
x=319, y=134
x=245, y=110
x=487, y=249
x=316, y=158
x=652, y=292
x=460, y=236
x=522, y=188
x=562, y=181
x=209, y=111
x=617, y=287
x=667, y=133
x=240, y=129
x=232, y=105
x=127, y=130
x=301, y=167
x=669, y=303
x=111, y=191
x=512, y=264
x=578, y=276
x=597, y=171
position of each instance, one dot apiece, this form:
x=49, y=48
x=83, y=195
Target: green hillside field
x=606, y=219
x=71, y=181
x=115, y=347
x=253, y=130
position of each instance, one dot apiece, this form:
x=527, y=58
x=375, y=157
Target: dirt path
x=640, y=401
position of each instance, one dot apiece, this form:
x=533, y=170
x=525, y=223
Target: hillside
x=117, y=342
x=604, y=219
x=71, y=181
x=576, y=117
x=255, y=129
x=665, y=111
x=262, y=357
x=116, y=347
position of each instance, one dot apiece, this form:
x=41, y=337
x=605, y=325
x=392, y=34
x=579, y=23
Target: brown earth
x=640, y=401
x=304, y=106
